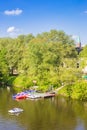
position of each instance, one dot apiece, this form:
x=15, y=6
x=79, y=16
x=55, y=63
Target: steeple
x=78, y=45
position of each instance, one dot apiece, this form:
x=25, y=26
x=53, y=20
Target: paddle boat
x=15, y=110
x=33, y=95
x=23, y=95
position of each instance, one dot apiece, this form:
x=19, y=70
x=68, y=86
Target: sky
x=19, y=17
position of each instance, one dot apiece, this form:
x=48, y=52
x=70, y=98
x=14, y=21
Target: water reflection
x=56, y=113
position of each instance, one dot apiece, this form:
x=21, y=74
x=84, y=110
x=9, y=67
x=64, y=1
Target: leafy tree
x=43, y=58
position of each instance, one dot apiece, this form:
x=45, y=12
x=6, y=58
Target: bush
x=10, y=80
x=75, y=91
x=22, y=82
x=79, y=91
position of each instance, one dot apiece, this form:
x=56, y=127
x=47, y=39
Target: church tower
x=78, y=45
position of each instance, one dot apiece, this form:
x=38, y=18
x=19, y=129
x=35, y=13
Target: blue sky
x=37, y=16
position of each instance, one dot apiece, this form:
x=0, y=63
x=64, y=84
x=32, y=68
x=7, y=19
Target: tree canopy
x=43, y=57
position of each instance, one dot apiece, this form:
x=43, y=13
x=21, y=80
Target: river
x=57, y=113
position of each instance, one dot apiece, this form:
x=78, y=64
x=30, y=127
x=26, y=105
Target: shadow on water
x=57, y=113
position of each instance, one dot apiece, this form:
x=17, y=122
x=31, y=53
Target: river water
x=56, y=113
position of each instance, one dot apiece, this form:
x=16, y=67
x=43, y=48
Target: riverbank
x=78, y=90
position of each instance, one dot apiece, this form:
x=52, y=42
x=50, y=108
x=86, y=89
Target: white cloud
x=12, y=31
x=85, y=12
x=74, y=36
x=13, y=12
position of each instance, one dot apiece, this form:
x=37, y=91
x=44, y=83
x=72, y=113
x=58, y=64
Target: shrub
x=75, y=91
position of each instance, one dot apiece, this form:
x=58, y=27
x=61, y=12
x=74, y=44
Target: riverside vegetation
x=46, y=60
